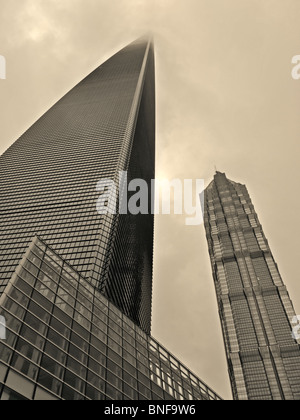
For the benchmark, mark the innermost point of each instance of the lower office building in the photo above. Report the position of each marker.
(66, 341)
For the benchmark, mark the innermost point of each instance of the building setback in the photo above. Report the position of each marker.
(255, 310)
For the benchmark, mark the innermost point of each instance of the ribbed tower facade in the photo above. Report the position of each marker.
(48, 180)
(76, 285)
(255, 310)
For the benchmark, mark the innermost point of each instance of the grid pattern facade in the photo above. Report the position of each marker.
(66, 341)
(255, 308)
(48, 179)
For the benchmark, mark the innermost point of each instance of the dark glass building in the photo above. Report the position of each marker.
(76, 299)
(66, 341)
(48, 180)
(255, 310)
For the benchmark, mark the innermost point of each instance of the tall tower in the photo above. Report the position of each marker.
(76, 286)
(255, 310)
(48, 180)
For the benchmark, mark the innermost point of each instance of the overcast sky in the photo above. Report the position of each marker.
(225, 97)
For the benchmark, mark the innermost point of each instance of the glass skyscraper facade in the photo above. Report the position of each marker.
(255, 310)
(66, 341)
(76, 286)
(48, 180)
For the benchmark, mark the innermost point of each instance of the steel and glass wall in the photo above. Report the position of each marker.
(255, 309)
(48, 179)
(66, 341)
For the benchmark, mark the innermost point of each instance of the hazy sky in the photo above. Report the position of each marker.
(225, 97)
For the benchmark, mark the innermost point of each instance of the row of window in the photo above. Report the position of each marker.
(119, 315)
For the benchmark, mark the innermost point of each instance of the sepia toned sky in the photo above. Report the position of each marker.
(225, 98)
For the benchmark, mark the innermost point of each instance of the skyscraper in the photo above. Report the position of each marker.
(48, 180)
(76, 286)
(255, 310)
